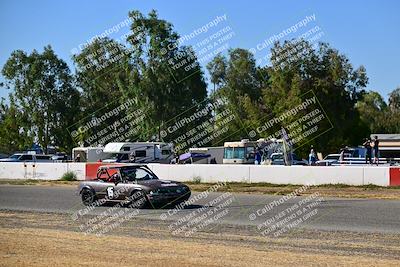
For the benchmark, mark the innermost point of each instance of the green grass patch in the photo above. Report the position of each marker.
(68, 176)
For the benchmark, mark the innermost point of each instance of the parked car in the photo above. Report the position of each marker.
(60, 156)
(277, 159)
(134, 185)
(328, 160)
(25, 157)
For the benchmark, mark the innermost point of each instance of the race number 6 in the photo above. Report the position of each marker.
(110, 192)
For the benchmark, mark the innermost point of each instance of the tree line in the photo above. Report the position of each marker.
(166, 80)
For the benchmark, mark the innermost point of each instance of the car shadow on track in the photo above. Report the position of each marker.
(159, 206)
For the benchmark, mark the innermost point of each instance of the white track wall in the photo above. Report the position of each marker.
(301, 175)
(41, 171)
(316, 175)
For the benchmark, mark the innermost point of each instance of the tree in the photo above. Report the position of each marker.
(44, 94)
(217, 69)
(372, 109)
(261, 94)
(101, 72)
(13, 130)
(392, 116)
(239, 81)
(165, 76)
(394, 100)
(332, 79)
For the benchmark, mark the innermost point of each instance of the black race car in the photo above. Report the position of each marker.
(134, 185)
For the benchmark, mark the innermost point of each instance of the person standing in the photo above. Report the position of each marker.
(132, 157)
(368, 154)
(312, 158)
(341, 155)
(257, 157)
(78, 158)
(376, 150)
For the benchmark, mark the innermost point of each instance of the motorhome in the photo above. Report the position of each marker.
(89, 154)
(239, 152)
(140, 152)
(244, 151)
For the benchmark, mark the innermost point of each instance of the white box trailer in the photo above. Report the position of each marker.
(89, 154)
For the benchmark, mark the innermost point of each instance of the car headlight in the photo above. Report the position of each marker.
(151, 192)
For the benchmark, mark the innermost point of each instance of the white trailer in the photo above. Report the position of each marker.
(89, 154)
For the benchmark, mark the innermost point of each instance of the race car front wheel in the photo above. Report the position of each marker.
(88, 197)
(137, 199)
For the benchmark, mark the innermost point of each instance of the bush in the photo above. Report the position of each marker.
(69, 176)
(197, 179)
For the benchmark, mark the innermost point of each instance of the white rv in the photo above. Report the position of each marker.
(239, 152)
(140, 152)
(244, 151)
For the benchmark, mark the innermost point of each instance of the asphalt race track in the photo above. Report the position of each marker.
(360, 215)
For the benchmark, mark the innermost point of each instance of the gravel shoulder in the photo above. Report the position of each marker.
(44, 239)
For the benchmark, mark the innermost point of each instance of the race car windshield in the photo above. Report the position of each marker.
(137, 174)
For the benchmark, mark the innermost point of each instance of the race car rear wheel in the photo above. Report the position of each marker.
(88, 197)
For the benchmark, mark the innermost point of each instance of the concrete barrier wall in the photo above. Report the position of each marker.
(206, 172)
(377, 175)
(41, 171)
(351, 175)
(307, 175)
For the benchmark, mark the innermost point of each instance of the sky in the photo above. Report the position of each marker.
(366, 31)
